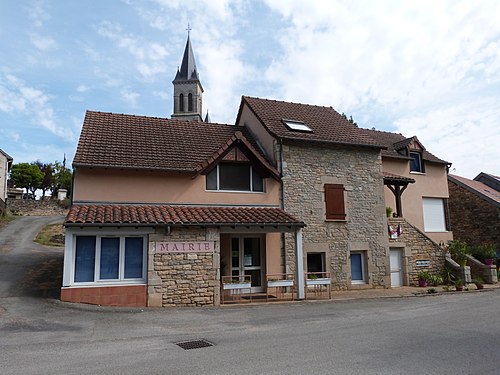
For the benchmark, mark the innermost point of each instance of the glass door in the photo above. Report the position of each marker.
(246, 259)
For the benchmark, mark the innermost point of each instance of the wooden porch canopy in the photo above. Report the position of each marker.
(397, 184)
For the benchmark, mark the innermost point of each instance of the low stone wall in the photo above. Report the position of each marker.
(418, 250)
(29, 207)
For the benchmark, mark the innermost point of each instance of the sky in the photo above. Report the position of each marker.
(424, 68)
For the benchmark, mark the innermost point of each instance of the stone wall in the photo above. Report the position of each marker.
(306, 169)
(184, 279)
(473, 219)
(416, 247)
(29, 207)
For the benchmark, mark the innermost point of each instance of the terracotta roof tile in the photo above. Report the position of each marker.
(327, 124)
(395, 177)
(178, 215)
(477, 188)
(396, 141)
(128, 141)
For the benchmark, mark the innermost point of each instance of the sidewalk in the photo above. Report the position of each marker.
(404, 291)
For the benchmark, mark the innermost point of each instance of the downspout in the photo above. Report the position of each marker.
(72, 185)
(282, 199)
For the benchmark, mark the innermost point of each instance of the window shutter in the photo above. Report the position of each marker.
(434, 220)
(334, 201)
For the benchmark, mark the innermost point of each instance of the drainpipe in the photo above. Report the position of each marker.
(282, 198)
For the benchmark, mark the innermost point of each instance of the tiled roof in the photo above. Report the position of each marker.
(327, 124)
(395, 141)
(128, 141)
(395, 177)
(478, 188)
(178, 215)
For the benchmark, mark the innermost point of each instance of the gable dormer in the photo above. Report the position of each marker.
(237, 166)
(414, 149)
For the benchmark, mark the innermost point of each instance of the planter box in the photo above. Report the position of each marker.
(320, 281)
(236, 286)
(279, 283)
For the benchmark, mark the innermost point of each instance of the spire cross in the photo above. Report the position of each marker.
(188, 29)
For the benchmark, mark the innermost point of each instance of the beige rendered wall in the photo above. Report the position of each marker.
(249, 120)
(100, 185)
(431, 184)
(3, 176)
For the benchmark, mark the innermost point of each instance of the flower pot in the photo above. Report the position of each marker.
(422, 283)
(459, 288)
(462, 262)
(479, 286)
(488, 262)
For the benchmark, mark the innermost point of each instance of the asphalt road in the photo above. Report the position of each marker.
(455, 333)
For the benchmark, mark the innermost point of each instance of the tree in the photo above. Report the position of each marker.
(62, 177)
(48, 176)
(26, 176)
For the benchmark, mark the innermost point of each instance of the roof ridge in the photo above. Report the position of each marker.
(289, 102)
(163, 118)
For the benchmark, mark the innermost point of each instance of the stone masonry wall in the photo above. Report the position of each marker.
(29, 207)
(184, 279)
(305, 171)
(473, 220)
(417, 246)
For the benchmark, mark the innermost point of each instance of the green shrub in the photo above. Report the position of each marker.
(483, 252)
(459, 251)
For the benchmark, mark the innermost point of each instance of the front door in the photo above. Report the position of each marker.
(246, 259)
(396, 268)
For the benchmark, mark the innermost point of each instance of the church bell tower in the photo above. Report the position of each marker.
(187, 88)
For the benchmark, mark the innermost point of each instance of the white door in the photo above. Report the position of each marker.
(396, 267)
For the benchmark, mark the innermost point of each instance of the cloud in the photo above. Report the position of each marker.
(129, 96)
(397, 65)
(461, 134)
(16, 98)
(150, 56)
(43, 43)
(37, 13)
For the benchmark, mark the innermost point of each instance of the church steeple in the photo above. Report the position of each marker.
(187, 88)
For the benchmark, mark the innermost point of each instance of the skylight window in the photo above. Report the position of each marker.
(298, 126)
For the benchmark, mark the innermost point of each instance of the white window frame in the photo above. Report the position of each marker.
(218, 189)
(363, 281)
(70, 257)
(421, 162)
(298, 126)
(434, 215)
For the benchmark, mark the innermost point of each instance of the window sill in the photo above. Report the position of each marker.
(235, 191)
(97, 284)
(336, 220)
(420, 173)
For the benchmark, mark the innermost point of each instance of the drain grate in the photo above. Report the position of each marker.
(194, 344)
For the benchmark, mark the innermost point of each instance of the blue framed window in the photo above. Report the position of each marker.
(105, 258)
(85, 259)
(358, 268)
(110, 258)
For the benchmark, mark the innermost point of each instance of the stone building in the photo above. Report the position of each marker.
(181, 212)
(332, 180)
(5, 164)
(475, 208)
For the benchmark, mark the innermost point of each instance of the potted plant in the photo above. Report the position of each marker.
(448, 275)
(459, 285)
(486, 253)
(459, 251)
(479, 282)
(423, 278)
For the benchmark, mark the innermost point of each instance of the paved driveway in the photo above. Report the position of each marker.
(27, 268)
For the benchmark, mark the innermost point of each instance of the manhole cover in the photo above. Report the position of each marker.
(194, 344)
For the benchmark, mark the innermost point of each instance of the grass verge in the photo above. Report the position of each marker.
(51, 235)
(6, 218)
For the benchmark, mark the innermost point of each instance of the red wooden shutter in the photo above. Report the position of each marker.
(334, 200)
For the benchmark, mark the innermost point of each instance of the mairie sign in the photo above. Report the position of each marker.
(184, 247)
